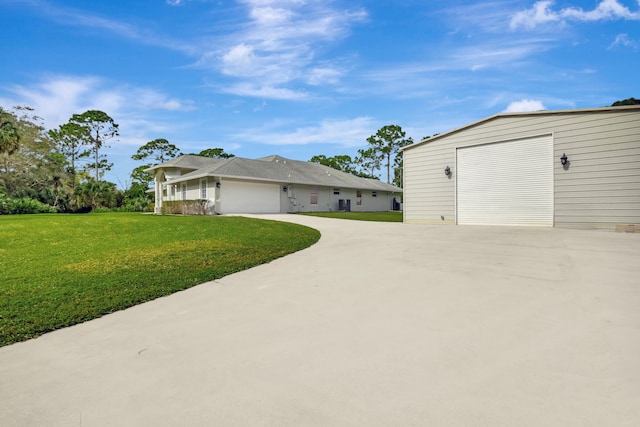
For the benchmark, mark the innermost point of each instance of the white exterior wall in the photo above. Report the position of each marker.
(300, 199)
(243, 196)
(599, 189)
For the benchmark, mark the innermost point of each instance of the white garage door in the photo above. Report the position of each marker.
(249, 197)
(507, 183)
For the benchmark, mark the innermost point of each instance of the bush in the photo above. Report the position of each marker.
(185, 207)
(24, 205)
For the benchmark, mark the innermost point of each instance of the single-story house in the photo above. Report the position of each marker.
(572, 168)
(271, 184)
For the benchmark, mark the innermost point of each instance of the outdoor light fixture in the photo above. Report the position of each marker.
(564, 159)
(447, 171)
(284, 188)
(218, 184)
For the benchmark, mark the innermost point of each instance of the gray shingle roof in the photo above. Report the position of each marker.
(276, 169)
(189, 161)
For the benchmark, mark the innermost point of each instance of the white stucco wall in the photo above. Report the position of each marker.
(329, 202)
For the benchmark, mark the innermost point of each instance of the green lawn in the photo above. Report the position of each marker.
(60, 270)
(394, 216)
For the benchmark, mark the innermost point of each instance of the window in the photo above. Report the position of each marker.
(358, 197)
(314, 195)
(184, 191)
(173, 192)
(336, 191)
(374, 194)
(203, 188)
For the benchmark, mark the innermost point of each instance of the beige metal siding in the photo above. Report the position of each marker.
(598, 190)
(429, 195)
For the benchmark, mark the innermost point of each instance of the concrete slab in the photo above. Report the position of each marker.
(378, 324)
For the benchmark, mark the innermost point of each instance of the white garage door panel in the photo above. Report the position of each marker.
(249, 197)
(507, 183)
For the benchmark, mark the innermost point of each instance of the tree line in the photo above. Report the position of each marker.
(62, 169)
(383, 153)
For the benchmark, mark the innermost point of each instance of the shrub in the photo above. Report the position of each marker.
(185, 207)
(24, 205)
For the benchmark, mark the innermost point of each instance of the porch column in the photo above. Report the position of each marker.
(158, 189)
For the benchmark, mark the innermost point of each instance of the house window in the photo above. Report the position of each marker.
(374, 194)
(173, 192)
(336, 191)
(184, 191)
(358, 197)
(314, 195)
(203, 188)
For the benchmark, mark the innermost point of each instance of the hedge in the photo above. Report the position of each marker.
(185, 207)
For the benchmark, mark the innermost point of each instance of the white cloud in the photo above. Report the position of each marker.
(542, 13)
(263, 91)
(278, 45)
(58, 97)
(342, 132)
(606, 10)
(323, 74)
(81, 18)
(524, 106)
(625, 41)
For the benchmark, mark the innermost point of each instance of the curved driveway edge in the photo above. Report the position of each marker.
(377, 324)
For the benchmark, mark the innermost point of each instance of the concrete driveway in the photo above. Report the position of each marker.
(376, 325)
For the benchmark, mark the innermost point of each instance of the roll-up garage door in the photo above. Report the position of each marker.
(506, 183)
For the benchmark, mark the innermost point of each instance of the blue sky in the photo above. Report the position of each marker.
(304, 77)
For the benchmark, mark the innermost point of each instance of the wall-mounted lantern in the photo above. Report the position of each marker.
(447, 171)
(218, 184)
(564, 159)
(284, 188)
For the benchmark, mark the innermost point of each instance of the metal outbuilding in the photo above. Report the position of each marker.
(567, 168)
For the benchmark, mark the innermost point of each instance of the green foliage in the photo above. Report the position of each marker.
(368, 160)
(60, 270)
(159, 150)
(24, 205)
(342, 163)
(185, 207)
(35, 169)
(386, 144)
(391, 216)
(9, 133)
(94, 127)
(69, 142)
(136, 198)
(138, 175)
(215, 153)
(628, 101)
(98, 194)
